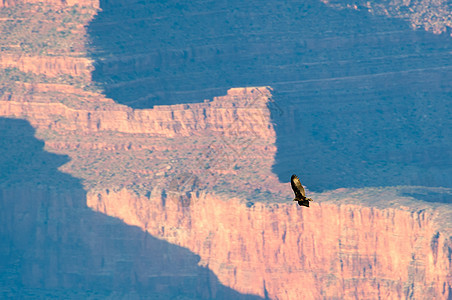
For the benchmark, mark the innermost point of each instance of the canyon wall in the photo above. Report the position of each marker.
(360, 95)
(356, 101)
(198, 51)
(50, 66)
(330, 250)
(427, 14)
(52, 245)
(176, 120)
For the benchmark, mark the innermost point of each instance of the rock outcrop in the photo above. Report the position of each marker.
(52, 245)
(168, 121)
(351, 250)
(50, 66)
(431, 15)
(330, 250)
(93, 3)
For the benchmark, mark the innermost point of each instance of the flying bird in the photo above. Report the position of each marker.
(298, 189)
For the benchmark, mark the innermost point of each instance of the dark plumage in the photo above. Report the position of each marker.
(298, 189)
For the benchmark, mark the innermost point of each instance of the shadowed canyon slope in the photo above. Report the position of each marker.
(53, 244)
(363, 100)
(350, 99)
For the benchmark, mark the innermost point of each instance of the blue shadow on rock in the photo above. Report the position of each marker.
(429, 195)
(365, 100)
(53, 246)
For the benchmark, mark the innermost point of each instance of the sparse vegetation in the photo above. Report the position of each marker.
(40, 30)
(11, 75)
(47, 32)
(432, 15)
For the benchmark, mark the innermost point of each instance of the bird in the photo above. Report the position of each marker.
(298, 189)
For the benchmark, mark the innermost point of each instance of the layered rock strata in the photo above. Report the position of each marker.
(351, 243)
(334, 249)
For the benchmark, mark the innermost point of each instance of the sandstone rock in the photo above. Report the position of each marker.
(351, 243)
(50, 66)
(337, 251)
(93, 3)
(176, 120)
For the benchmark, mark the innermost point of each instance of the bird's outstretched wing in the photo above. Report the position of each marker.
(297, 187)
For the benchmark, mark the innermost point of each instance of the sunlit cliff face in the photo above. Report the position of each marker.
(339, 249)
(113, 101)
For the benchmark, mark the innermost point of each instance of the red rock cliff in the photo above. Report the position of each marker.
(50, 66)
(174, 120)
(338, 248)
(330, 250)
(94, 3)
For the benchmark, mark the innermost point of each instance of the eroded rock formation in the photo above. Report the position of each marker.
(330, 250)
(53, 245)
(167, 121)
(93, 3)
(351, 243)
